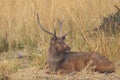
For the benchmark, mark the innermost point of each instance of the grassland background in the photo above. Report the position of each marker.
(19, 30)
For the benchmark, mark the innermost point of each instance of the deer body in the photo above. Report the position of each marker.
(68, 62)
(76, 61)
(61, 60)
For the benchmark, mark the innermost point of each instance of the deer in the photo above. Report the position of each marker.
(63, 61)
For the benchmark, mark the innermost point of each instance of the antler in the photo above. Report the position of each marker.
(42, 27)
(117, 7)
(60, 26)
(66, 34)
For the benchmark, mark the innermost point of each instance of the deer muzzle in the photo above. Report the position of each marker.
(67, 48)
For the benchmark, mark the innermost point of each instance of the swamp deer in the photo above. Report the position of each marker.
(62, 61)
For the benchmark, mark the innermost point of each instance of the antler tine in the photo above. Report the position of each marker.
(117, 7)
(60, 26)
(66, 33)
(42, 26)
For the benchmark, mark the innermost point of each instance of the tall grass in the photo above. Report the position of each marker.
(19, 29)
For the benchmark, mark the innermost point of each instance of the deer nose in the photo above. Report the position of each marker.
(66, 47)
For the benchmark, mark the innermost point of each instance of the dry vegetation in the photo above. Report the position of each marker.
(20, 34)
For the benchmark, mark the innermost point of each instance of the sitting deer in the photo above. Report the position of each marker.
(62, 61)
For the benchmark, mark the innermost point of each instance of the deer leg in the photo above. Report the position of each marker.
(106, 68)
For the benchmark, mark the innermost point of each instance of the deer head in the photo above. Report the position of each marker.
(57, 44)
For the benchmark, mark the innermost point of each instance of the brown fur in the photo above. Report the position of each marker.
(62, 61)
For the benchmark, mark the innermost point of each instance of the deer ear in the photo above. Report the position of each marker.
(64, 36)
(54, 38)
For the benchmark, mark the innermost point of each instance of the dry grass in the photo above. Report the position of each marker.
(36, 74)
(20, 32)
